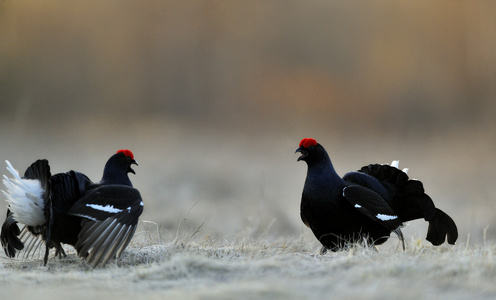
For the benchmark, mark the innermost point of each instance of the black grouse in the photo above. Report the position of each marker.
(98, 219)
(366, 205)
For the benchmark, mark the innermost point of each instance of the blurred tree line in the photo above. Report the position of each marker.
(394, 66)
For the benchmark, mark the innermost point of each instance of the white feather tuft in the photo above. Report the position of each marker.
(25, 198)
(384, 217)
(405, 170)
(395, 164)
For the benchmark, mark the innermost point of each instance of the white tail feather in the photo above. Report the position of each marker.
(395, 164)
(25, 198)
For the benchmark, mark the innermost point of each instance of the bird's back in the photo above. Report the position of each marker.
(395, 187)
(66, 189)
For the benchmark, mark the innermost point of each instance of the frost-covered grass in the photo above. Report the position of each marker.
(274, 255)
(199, 266)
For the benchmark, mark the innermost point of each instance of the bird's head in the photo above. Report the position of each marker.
(124, 158)
(311, 151)
(117, 168)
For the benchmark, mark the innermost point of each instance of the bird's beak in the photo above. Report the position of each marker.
(303, 152)
(133, 162)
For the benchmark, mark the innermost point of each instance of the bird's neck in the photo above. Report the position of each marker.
(111, 176)
(323, 173)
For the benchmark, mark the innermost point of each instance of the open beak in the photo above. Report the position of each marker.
(133, 162)
(303, 152)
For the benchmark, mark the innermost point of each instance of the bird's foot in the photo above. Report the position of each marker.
(60, 251)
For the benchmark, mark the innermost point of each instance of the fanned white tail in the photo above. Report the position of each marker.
(25, 198)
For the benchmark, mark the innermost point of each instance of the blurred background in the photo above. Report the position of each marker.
(213, 98)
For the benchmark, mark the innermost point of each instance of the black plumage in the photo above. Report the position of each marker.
(366, 205)
(98, 219)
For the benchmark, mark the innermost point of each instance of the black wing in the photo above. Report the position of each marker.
(111, 216)
(367, 181)
(375, 207)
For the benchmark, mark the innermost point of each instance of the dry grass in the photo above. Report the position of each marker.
(193, 251)
(216, 238)
(203, 266)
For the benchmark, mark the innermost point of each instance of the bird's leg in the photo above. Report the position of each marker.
(400, 236)
(45, 259)
(48, 232)
(60, 251)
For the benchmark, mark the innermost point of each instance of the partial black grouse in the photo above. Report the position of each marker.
(366, 205)
(98, 219)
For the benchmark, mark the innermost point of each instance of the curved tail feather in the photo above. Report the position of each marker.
(39, 170)
(440, 227)
(386, 173)
(9, 236)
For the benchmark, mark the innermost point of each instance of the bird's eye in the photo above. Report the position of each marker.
(311, 148)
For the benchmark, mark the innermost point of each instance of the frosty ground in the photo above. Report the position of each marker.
(252, 244)
(210, 267)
